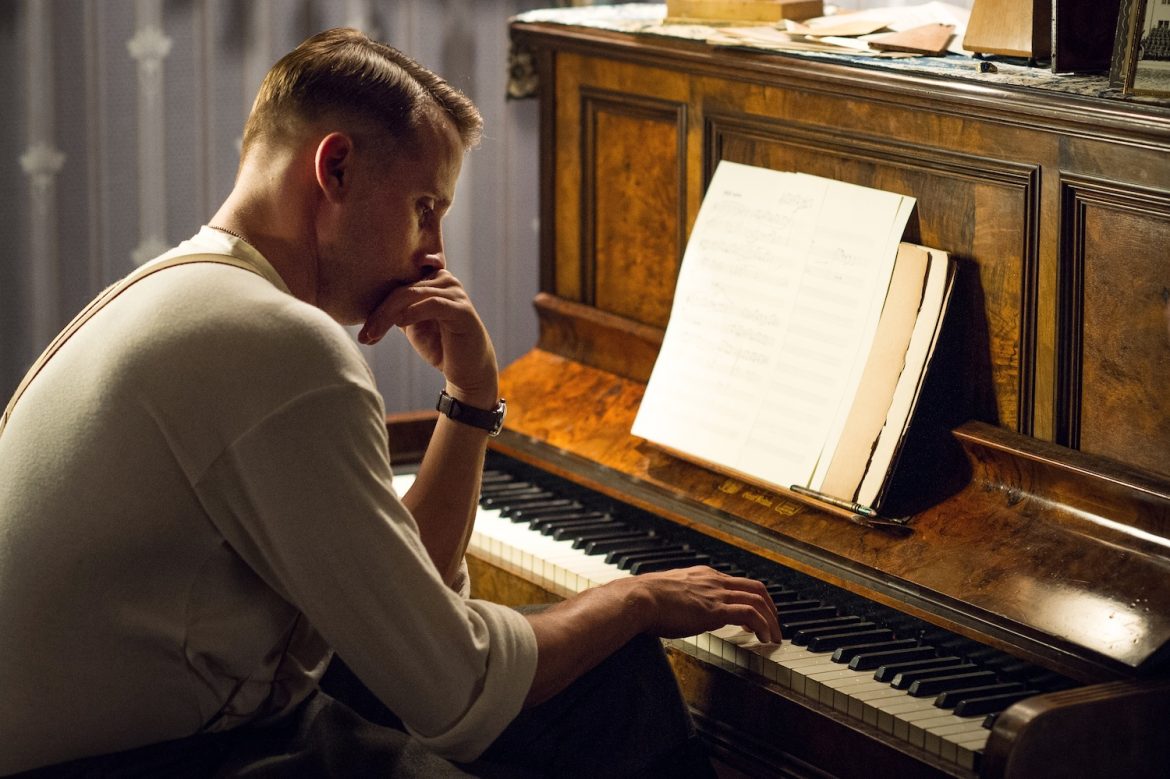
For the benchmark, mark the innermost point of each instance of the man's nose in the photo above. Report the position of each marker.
(433, 263)
(433, 256)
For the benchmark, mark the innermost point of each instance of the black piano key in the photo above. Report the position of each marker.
(1047, 681)
(887, 672)
(991, 705)
(522, 511)
(781, 594)
(537, 519)
(584, 523)
(669, 563)
(800, 637)
(598, 544)
(871, 660)
(982, 655)
(939, 684)
(619, 531)
(573, 532)
(608, 545)
(500, 480)
(515, 489)
(833, 626)
(548, 526)
(512, 502)
(832, 641)
(804, 603)
(960, 644)
(557, 510)
(624, 560)
(904, 679)
(905, 626)
(788, 618)
(846, 654)
(1017, 669)
(653, 544)
(502, 502)
(492, 482)
(952, 698)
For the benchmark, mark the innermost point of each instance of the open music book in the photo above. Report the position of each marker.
(799, 335)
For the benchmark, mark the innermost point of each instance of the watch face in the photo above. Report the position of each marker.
(501, 412)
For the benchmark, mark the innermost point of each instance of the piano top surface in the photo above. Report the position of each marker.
(1033, 553)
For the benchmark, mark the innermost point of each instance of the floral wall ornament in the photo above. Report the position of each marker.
(150, 47)
(41, 162)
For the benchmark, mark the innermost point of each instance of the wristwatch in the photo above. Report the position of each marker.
(489, 420)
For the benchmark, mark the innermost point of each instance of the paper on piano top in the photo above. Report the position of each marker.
(775, 309)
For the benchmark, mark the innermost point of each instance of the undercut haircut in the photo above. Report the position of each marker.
(344, 75)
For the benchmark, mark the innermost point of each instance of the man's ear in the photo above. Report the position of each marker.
(334, 155)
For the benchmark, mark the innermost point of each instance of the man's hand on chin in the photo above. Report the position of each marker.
(443, 326)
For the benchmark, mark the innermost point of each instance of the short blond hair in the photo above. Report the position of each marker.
(343, 74)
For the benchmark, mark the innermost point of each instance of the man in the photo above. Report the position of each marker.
(197, 507)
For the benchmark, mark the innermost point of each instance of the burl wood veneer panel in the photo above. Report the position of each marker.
(619, 222)
(634, 213)
(1115, 317)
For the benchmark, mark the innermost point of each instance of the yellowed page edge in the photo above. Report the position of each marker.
(940, 281)
(879, 379)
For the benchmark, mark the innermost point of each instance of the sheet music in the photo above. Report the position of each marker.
(775, 308)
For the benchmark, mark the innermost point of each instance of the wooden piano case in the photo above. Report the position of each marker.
(1040, 525)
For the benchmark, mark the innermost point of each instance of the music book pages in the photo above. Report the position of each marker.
(920, 290)
(795, 349)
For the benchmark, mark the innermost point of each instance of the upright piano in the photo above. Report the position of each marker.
(1034, 563)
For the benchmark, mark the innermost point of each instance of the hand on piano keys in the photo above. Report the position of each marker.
(920, 685)
(689, 601)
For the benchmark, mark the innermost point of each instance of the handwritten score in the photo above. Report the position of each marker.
(775, 309)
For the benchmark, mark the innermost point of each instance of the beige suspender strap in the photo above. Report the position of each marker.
(100, 301)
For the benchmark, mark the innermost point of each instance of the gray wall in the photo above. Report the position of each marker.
(122, 121)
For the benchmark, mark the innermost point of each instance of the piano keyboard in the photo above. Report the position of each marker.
(908, 679)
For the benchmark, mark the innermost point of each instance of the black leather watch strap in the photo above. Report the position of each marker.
(489, 420)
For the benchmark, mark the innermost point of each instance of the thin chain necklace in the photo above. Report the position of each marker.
(230, 232)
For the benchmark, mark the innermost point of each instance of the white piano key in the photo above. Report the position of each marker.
(966, 747)
(939, 738)
(845, 691)
(823, 685)
(891, 710)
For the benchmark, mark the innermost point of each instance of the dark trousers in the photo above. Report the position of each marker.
(623, 718)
